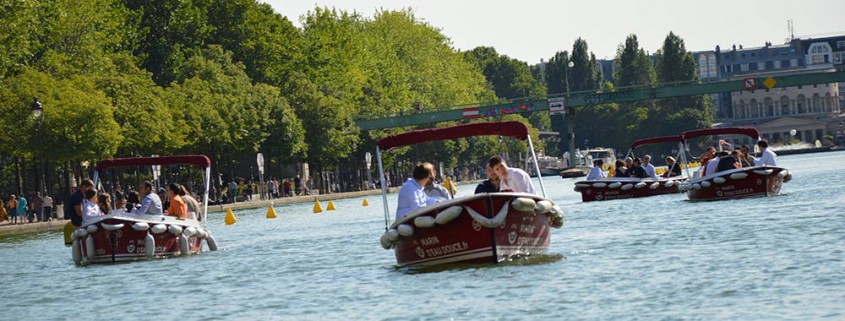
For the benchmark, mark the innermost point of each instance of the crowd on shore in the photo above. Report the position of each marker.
(20, 210)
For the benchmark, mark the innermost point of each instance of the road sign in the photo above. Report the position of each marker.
(557, 106)
(471, 113)
(770, 82)
(260, 160)
(749, 83)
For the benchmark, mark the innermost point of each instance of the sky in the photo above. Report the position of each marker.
(530, 30)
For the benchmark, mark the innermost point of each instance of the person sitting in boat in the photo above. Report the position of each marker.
(705, 158)
(412, 195)
(648, 167)
(436, 191)
(767, 156)
(104, 201)
(177, 208)
(150, 203)
(511, 179)
(191, 202)
(746, 159)
(728, 162)
(621, 169)
(490, 185)
(595, 172)
(712, 166)
(674, 169)
(637, 170)
(90, 206)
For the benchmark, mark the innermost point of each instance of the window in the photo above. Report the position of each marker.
(744, 67)
(777, 64)
(840, 44)
(770, 65)
(752, 66)
(794, 62)
(838, 57)
(785, 63)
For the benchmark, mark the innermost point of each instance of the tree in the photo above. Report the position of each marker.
(633, 66)
(676, 64)
(509, 78)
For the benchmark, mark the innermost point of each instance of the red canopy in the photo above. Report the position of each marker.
(508, 128)
(747, 131)
(656, 140)
(200, 161)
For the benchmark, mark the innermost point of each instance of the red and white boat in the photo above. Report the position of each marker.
(743, 182)
(122, 236)
(612, 188)
(489, 227)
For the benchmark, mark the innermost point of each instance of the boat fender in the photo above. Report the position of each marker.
(76, 252)
(524, 204)
(787, 177)
(614, 185)
(183, 245)
(640, 185)
(489, 222)
(73, 235)
(158, 228)
(386, 243)
(150, 245)
(655, 185)
(90, 250)
(140, 226)
(405, 229)
(424, 221)
(112, 227)
(557, 217)
(718, 180)
(81, 232)
(543, 207)
(582, 185)
(212, 244)
(174, 229)
(705, 184)
(668, 183)
(200, 233)
(599, 185)
(91, 229)
(627, 187)
(696, 186)
(739, 175)
(764, 172)
(392, 235)
(449, 214)
(190, 231)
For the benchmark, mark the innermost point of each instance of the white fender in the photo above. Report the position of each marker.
(90, 251)
(696, 186)
(614, 185)
(190, 231)
(557, 217)
(739, 175)
(386, 243)
(655, 185)
(150, 245)
(112, 227)
(668, 183)
(140, 226)
(449, 214)
(543, 207)
(201, 233)
(582, 185)
(212, 244)
(719, 180)
(76, 251)
(81, 232)
(174, 229)
(627, 187)
(73, 235)
(158, 228)
(393, 235)
(489, 222)
(183, 245)
(524, 204)
(599, 185)
(639, 185)
(705, 184)
(91, 229)
(424, 221)
(764, 172)
(405, 229)
(787, 177)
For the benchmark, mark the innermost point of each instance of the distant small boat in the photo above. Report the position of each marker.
(574, 172)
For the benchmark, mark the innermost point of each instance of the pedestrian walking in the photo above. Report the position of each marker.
(37, 207)
(47, 202)
(12, 205)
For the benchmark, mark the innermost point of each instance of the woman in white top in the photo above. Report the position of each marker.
(90, 207)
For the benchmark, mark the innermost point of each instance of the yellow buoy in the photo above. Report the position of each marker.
(330, 207)
(230, 217)
(271, 212)
(365, 203)
(317, 207)
(69, 228)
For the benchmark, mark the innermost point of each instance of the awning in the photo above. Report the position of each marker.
(508, 128)
(656, 140)
(200, 161)
(747, 131)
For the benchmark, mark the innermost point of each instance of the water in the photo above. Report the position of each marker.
(778, 258)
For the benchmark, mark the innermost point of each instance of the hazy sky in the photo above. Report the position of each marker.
(530, 30)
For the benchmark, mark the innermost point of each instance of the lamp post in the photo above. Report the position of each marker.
(37, 109)
(792, 133)
(570, 118)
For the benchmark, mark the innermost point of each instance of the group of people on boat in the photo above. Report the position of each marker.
(87, 203)
(635, 167)
(725, 160)
(422, 190)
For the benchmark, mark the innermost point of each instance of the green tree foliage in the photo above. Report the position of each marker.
(676, 64)
(18, 29)
(509, 78)
(633, 66)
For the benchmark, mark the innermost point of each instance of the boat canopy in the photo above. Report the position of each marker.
(509, 128)
(200, 161)
(657, 140)
(747, 131)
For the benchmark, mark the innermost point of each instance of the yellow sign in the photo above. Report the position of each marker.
(770, 82)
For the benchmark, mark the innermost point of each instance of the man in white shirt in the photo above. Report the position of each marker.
(412, 194)
(648, 167)
(767, 157)
(511, 179)
(595, 172)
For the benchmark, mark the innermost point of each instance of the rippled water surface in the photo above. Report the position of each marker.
(653, 258)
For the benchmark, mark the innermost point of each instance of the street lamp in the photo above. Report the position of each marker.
(570, 119)
(792, 133)
(36, 108)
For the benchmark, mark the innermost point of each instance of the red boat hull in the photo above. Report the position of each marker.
(740, 183)
(614, 189)
(465, 240)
